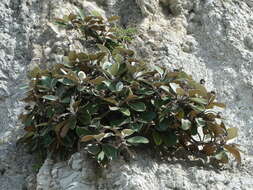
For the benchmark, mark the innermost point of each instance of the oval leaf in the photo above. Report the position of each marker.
(185, 124)
(232, 133)
(138, 140)
(199, 100)
(110, 152)
(125, 111)
(127, 132)
(82, 75)
(169, 139)
(50, 97)
(119, 86)
(80, 131)
(147, 116)
(157, 138)
(114, 68)
(139, 106)
(93, 149)
(174, 87)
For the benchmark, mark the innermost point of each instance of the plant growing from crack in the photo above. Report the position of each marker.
(110, 102)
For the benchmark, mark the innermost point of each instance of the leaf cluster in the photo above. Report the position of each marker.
(109, 102)
(102, 31)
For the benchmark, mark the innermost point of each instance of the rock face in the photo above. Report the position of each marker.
(212, 40)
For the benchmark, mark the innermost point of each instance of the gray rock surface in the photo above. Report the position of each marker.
(211, 40)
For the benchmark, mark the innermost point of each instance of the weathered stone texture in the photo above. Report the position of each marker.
(211, 40)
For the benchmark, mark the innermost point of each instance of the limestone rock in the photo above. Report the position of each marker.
(209, 39)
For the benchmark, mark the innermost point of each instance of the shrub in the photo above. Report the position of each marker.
(110, 102)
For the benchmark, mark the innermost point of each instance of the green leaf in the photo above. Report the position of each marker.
(164, 125)
(110, 152)
(138, 140)
(47, 140)
(93, 149)
(174, 87)
(103, 48)
(200, 122)
(159, 70)
(50, 112)
(119, 86)
(53, 83)
(84, 117)
(81, 13)
(125, 111)
(83, 57)
(197, 86)
(157, 138)
(120, 122)
(60, 22)
(72, 122)
(72, 56)
(111, 100)
(147, 116)
(221, 105)
(45, 81)
(123, 52)
(232, 133)
(23, 86)
(199, 100)
(113, 108)
(114, 68)
(91, 108)
(139, 106)
(165, 88)
(50, 97)
(82, 75)
(100, 157)
(66, 81)
(95, 13)
(102, 136)
(80, 131)
(95, 123)
(29, 120)
(194, 130)
(34, 72)
(144, 91)
(107, 83)
(137, 126)
(169, 139)
(97, 81)
(118, 59)
(127, 132)
(185, 124)
(198, 108)
(65, 100)
(180, 92)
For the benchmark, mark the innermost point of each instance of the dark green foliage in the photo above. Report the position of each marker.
(110, 101)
